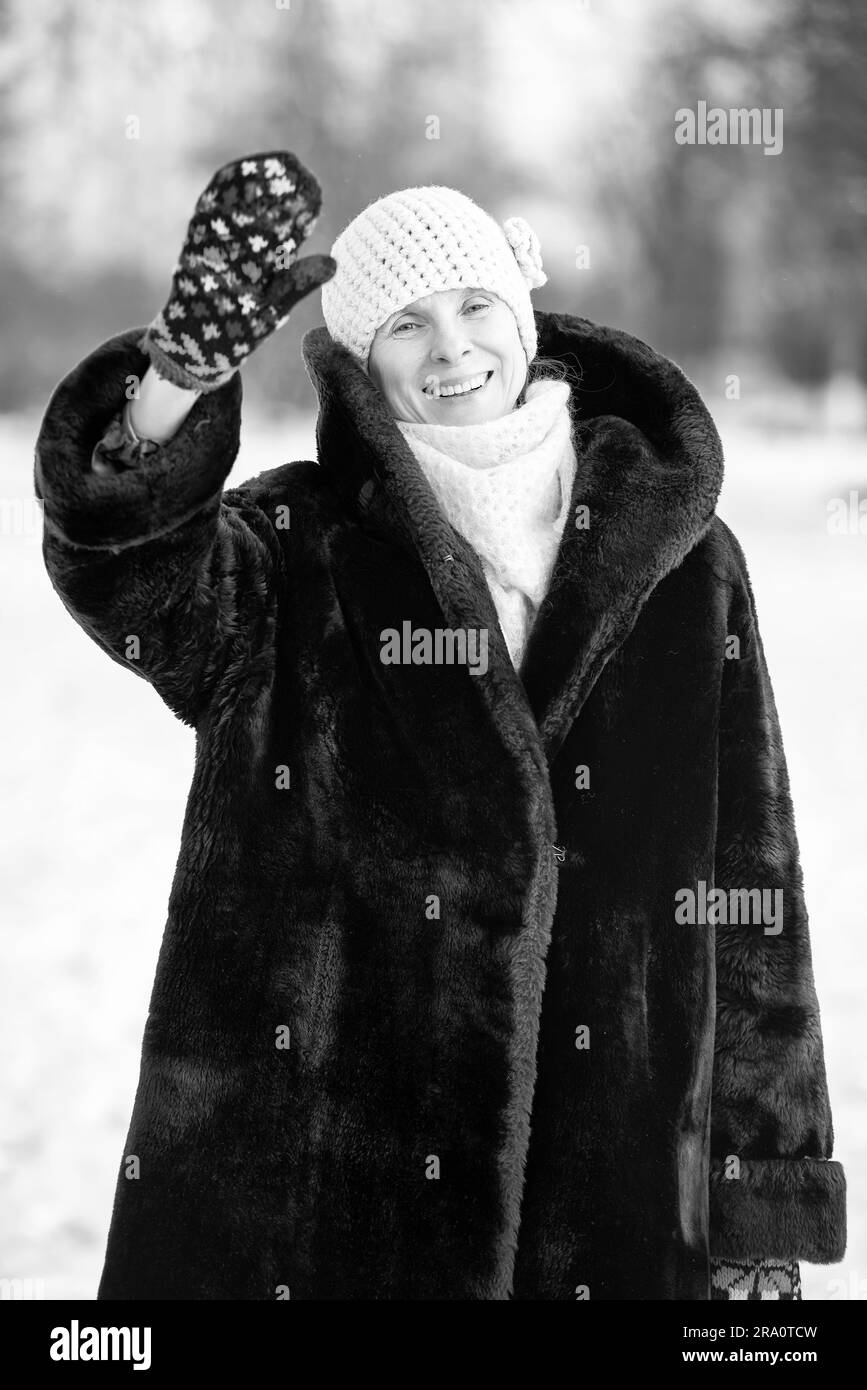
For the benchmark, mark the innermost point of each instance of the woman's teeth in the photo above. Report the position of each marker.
(433, 388)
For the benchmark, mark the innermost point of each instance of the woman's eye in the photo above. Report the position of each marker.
(411, 323)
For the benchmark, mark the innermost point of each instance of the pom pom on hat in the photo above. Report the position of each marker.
(416, 242)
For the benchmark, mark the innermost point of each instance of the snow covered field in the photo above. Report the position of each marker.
(95, 772)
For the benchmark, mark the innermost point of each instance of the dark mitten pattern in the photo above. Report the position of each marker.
(238, 277)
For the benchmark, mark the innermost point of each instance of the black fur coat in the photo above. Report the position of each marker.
(427, 1020)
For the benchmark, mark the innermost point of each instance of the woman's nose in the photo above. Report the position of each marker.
(450, 343)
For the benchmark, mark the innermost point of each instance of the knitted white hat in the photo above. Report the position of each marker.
(416, 242)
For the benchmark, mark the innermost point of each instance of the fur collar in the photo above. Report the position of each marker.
(650, 468)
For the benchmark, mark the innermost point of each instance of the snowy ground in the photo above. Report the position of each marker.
(94, 777)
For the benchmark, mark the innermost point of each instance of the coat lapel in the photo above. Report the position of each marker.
(650, 468)
(381, 483)
(649, 472)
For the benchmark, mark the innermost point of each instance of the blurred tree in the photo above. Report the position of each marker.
(113, 116)
(767, 250)
(821, 224)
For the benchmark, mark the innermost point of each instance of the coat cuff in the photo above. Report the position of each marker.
(779, 1208)
(104, 511)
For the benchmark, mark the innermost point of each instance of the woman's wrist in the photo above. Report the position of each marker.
(160, 408)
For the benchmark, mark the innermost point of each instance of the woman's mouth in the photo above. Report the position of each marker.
(470, 386)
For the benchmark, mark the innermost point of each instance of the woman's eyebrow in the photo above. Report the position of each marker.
(415, 307)
(398, 314)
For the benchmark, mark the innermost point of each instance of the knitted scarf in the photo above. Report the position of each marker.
(506, 485)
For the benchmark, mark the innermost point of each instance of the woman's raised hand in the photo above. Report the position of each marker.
(238, 276)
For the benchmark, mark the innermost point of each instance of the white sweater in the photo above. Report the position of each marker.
(506, 486)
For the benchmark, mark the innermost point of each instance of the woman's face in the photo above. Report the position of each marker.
(466, 338)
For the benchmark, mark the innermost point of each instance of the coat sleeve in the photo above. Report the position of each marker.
(775, 1193)
(168, 574)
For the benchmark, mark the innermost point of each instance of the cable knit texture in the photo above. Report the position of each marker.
(506, 485)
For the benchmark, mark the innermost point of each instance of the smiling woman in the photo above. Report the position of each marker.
(432, 298)
(451, 357)
(441, 1031)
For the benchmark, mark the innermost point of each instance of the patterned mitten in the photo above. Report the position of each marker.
(238, 277)
(755, 1279)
